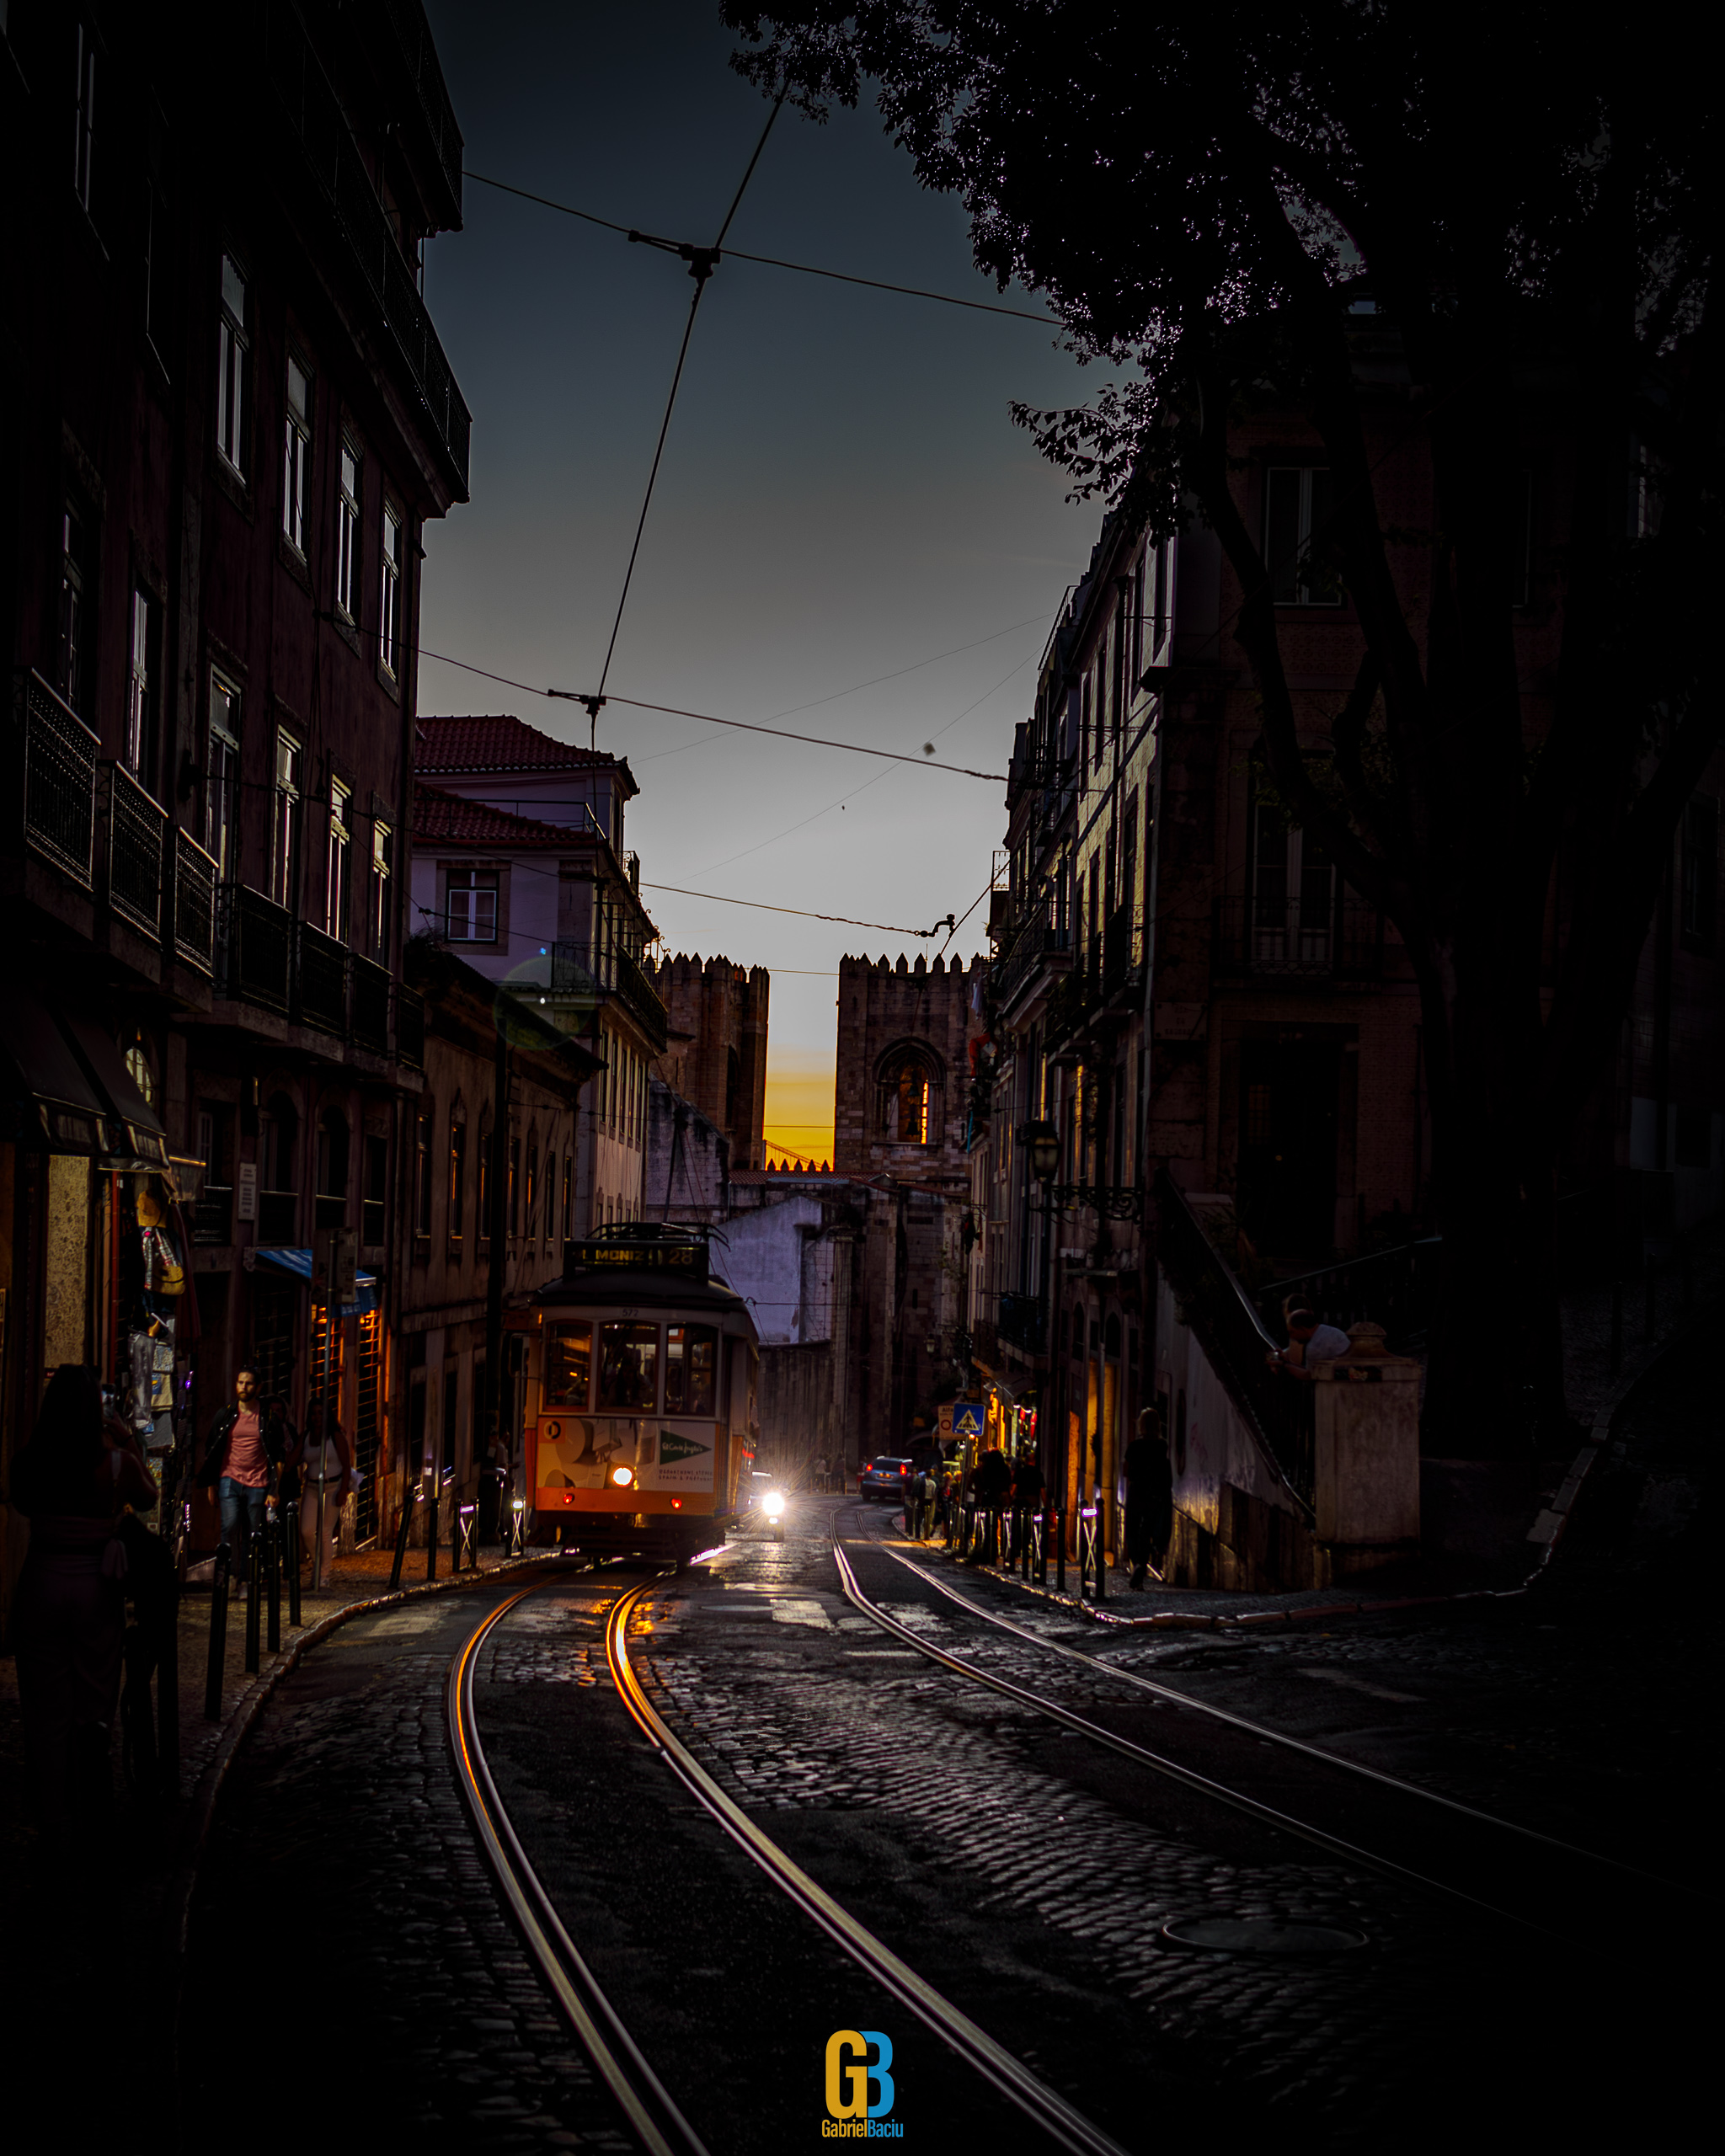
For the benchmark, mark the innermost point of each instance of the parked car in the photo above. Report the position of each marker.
(883, 1477)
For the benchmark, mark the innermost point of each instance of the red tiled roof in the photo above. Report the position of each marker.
(443, 819)
(498, 744)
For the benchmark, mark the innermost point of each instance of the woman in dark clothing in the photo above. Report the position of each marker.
(79, 1473)
(1149, 1498)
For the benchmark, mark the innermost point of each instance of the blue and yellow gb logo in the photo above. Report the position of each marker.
(851, 2076)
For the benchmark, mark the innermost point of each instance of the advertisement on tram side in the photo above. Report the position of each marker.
(582, 1451)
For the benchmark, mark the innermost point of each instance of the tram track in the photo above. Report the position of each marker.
(651, 2112)
(1592, 1880)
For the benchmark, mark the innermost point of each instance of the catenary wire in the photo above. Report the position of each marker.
(766, 261)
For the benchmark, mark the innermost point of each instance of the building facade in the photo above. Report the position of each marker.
(231, 420)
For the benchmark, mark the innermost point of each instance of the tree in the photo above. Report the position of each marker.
(1201, 190)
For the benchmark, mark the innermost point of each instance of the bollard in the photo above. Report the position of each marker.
(1060, 1551)
(1102, 1553)
(431, 1536)
(272, 1564)
(218, 1635)
(254, 1597)
(1616, 1326)
(1030, 1528)
(518, 1527)
(409, 1499)
(467, 1537)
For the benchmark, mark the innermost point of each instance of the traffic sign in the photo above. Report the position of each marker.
(968, 1418)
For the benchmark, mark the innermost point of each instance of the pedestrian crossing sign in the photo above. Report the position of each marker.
(968, 1418)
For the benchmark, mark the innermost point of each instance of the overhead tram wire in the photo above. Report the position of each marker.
(702, 261)
(765, 261)
(711, 719)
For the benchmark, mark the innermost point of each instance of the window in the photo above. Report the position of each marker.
(422, 1174)
(457, 1179)
(379, 918)
(297, 455)
(472, 906)
(484, 1191)
(908, 1095)
(550, 1194)
(347, 535)
(1128, 858)
(374, 1225)
(513, 1194)
(136, 1059)
(532, 1188)
(232, 343)
(389, 619)
(1296, 514)
(568, 1366)
(332, 1170)
(568, 1196)
(221, 779)
(691, 1369)
(76, 604)
(337, 882)
(1293, 893)
(1701, 870)
(83, 143)
(628, 1368)
(278, 1176)
(285, 822)
(143, 684)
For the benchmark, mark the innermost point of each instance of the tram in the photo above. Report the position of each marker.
(642, 1380)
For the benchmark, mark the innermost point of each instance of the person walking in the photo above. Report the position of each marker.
(1149, 1498)
(241, 1455)
(326, 1473)
(1027, 1487)
(991, 1485)
(75, 1479)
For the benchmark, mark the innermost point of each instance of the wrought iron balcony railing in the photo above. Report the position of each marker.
(194, 903)
(371, 1005)
(1107, 1201)
(578, 975)
(255, 947)
(1023, 1322)
(59, 781)
(1037, 947)
(1334, 938)
(322, 980)
(137, 831)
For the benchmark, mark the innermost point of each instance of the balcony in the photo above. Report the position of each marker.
(323, 981)
(337, 170)
(1339, 939)
(1037, 947)
(255, 950)
(371, 1006)
(137, 831)
(1118, 970)
(59, 781)
(194, 903)
(575, 974)
(1023, 1323)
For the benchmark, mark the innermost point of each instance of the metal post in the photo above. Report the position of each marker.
(272, 1565)
(254, 1596)
(431, 1531)
(325, 1418)
(1060, 1550)
(409, 1499)
(218, 1635)
(1102, 1547)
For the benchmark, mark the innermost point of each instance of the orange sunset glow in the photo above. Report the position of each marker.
(799, 1103)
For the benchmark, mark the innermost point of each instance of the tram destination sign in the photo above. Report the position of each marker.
(689, 1259)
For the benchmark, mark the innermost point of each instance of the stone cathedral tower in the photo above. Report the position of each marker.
(904, 1068)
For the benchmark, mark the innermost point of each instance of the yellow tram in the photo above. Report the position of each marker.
(640, 1418)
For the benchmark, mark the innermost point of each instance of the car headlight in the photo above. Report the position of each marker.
(773, 1504)
(622, 1477)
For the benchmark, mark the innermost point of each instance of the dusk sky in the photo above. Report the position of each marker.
(843, 496)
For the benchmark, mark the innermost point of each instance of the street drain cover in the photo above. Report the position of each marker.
(1259, 1935)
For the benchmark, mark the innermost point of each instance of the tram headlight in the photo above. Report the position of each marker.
(622, 1477)
(773, 1504)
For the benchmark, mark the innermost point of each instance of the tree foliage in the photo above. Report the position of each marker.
(1203, 191)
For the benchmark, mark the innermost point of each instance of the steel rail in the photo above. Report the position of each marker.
(653, 2116)
(1348, 1852)
(1262, 1730)
(1067, 2127)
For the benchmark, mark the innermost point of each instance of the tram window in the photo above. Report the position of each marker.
(691, 1369)
(569, 1361)
(628, 1369)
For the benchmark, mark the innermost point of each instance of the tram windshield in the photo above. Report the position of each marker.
(628, 1369)
(691, 1369)
(569, 1360)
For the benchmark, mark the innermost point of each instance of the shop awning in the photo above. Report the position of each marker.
(136, 1138)
(280, 1258)
(56, 1100)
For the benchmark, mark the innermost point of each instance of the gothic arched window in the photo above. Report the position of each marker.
(910, 1096)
